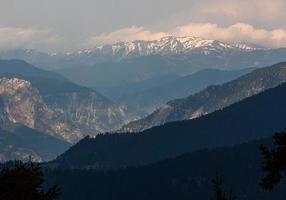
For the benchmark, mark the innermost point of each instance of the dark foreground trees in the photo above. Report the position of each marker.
(24, 182)
(274, 163)
(220, 194)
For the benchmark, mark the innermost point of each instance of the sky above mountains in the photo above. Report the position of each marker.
(68, 25)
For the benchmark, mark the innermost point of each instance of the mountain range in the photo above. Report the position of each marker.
(164, 46)
(213, 98)
(132, 62)
(207, 107)
(136, 69)
(255, 117)
(60, 104)
(44, 102)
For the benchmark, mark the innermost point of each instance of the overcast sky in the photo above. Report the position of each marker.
(68, 25)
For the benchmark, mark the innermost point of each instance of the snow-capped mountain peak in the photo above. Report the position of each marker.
(169, 45)
(166, 45)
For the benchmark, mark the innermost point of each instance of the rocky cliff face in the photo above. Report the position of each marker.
(21, 102)
(68, 116)
(88, 111)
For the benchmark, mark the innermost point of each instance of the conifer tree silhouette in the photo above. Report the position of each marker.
(274, 163)
(25, 182)
(218, 189)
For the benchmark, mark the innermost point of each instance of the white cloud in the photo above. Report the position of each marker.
(238, 32)
(75, 21)
(126, 35)
(258, 9)
(14, 37)
(264, 12)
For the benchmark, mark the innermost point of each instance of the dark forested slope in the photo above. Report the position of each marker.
(185, 177)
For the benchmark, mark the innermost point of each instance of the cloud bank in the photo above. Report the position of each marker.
(72, 25)
(238, 32)
(259, 13)
(14, 37)
(126, 35)
(225, 20)
(254, 10)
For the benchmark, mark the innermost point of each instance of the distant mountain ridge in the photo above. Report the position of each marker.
(168, 45)
(149, 100)
(213, 98)
(110, 66)
(139, 68)
(164, 46)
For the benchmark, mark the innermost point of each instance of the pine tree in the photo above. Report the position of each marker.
(218, 189)
(25, 182)
(274, 163)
